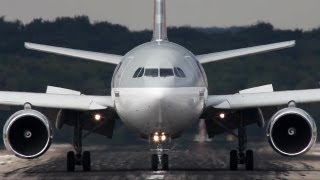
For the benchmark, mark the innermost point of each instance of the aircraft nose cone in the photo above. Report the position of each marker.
(159, 94)
(167, 82)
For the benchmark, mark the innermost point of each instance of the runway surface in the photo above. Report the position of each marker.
(196, 161)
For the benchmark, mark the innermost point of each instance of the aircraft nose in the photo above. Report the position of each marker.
(158, 94)
(168, 82)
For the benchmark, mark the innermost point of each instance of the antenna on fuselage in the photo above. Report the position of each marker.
(159, 21)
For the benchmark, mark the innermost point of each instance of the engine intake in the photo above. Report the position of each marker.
(291, 132)
(27, 133)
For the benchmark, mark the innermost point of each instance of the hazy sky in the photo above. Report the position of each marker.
(137, 14)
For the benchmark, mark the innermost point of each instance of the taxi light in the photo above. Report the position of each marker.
(222, 115)
(97, 117)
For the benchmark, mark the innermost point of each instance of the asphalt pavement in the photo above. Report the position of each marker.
(194, 161)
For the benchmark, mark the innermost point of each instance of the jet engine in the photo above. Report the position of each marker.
(291, 132)
(27, 133)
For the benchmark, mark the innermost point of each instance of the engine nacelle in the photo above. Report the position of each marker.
(27, 133)
(291, 132)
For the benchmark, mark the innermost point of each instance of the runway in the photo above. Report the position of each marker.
(196, 161)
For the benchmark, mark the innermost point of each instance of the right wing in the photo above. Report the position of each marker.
(206, 58)
(95, 56)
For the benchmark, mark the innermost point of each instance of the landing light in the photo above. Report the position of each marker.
(163, 137)
(97, 117)
(159, 137)
(156, 138)
(222, 115)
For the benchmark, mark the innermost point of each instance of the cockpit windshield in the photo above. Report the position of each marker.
(166, 72)
(162, 72)
(151, 72)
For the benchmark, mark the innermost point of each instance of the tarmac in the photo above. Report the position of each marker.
(195, 161)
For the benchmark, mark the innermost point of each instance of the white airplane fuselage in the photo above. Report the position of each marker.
(151, 95)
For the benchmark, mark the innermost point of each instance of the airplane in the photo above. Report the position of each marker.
(159, 89)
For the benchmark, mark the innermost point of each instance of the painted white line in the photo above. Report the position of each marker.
(151, 177)
(5, 162)
(7, 156)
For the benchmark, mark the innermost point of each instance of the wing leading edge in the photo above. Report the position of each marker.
(250, 100)
(59, 101)
(94, 56)
(206, 58)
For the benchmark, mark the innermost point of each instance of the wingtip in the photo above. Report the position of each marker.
(293, 42)
(26, 45)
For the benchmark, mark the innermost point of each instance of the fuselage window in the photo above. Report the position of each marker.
(179, 73)
(151, 72)
(137, 72)
(166, 72)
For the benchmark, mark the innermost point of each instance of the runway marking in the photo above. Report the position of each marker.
(7, 156)
(5, 162)
(151, 177)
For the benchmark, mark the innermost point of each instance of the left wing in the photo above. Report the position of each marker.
(59, 101)
(206, 58)
(263, 99)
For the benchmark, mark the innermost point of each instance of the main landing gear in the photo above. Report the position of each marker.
(241, 156)
(77, 157)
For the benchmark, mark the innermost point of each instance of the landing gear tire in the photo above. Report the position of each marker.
(249, 160)
(154, 162)
(233, 160)
(71, 161)
(165, 162)
(86, 161)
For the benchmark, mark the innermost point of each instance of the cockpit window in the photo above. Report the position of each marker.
(166, 72)
(141, 72)
(151, 72)
(137, 72)
(179, 73)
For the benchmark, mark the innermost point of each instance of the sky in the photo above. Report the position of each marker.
(138, 14)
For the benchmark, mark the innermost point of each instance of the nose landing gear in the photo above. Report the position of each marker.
(159, 160)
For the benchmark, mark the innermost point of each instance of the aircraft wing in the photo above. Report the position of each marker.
(94, 56)
(263, 99)
(206, 58)
(59, 101)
